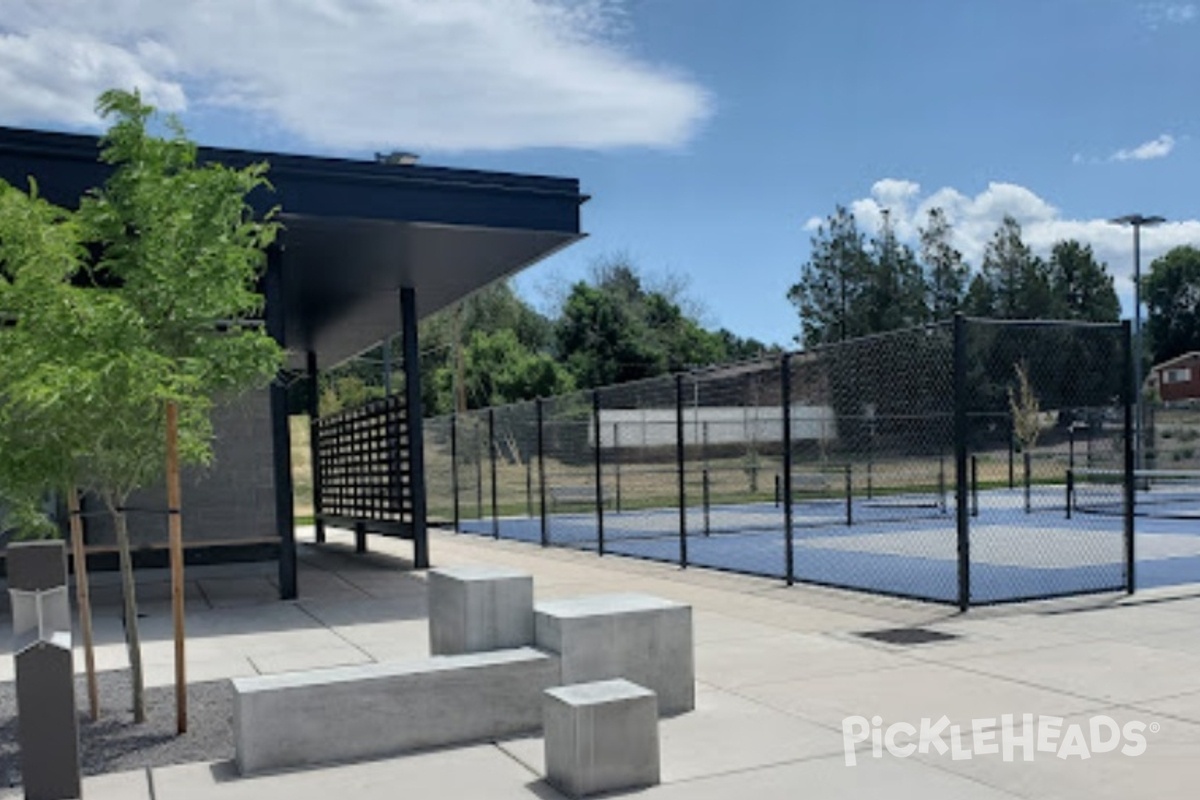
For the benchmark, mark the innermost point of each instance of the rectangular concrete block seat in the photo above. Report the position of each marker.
(326, 716)
(642, 638)
(473, 609)
(601, 737)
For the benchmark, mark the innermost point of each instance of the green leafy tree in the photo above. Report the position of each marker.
(829, 293)
(185, 251)
(1081, 286)
(159, 309)
(1171, 290)
(500, 370)
(945, 271)
(603, 340)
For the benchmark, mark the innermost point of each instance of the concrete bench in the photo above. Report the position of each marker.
(576, 495)
(325, 716)
(477, 608)
(638, 637)
(601, 737)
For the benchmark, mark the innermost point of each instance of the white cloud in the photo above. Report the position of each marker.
(1159, 147)
(975, 218)
(446, 75)
(1155, 15)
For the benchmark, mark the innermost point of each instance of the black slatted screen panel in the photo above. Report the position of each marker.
(365, 462)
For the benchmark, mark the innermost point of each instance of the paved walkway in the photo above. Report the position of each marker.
(778, 672)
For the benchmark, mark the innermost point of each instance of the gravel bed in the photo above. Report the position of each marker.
(115, 744)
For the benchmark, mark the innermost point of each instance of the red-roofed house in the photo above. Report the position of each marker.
(1177, 378)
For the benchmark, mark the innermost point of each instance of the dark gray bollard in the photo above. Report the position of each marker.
(47, 722)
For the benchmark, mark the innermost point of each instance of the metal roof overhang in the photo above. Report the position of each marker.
(355, 231)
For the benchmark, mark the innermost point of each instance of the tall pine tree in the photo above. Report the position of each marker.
(945, 271)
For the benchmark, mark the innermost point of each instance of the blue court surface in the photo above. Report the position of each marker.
(896, 545)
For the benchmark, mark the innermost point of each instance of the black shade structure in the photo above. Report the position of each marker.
(362, 240)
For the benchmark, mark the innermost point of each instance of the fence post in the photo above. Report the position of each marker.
(599, 474)
(1012, 433)
(616, 463)
(541, 456)
(1130, 496)
(1070, 489)
(974, 486)
(454, 469)
(492, 462)
(478, 475)
(1071, 445)
(849, 494)
(707, 502)
(785, 406)
(529, 486)
(961, 430)
(679, 467)
(1027, 459)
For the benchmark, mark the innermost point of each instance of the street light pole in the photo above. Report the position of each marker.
(1137, 221)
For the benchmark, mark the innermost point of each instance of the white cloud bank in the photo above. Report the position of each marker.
(975, 219)
(1159, 147)
(430, 75)
(1155, 15)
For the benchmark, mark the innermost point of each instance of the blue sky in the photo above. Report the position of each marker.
(709, 132)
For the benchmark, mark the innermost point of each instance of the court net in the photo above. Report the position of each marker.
(1166, 494)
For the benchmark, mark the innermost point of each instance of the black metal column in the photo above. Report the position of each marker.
(491, 422)
(416, 429)
(1127, 400)
(961, 431)
(541, 457)
(599, 474)
(281, 439)
(454, 467)
(785, 408)
(679, 467)
(314, 441)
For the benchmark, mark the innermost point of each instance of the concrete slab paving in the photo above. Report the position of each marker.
(829, 777)
(298, 660)
(787, 656)
(1108, 671)
(727, 733)
(1168, 767)
(468, 773)
(1184, 706)
(909, 693)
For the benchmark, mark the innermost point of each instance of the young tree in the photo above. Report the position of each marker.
(829, 292)
(77, 372)
(185, 250)
(1080, 285)
(1172, 292)
(946, 272)
(156, 314)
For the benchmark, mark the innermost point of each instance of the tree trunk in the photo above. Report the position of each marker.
(83, 600)
(129, 594)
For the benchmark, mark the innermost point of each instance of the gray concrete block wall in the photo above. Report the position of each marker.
(232, 499)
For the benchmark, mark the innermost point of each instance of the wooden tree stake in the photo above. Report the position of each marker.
(175, 532)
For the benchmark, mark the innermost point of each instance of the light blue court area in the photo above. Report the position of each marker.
(896, 544)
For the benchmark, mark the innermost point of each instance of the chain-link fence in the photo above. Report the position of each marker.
(945, 463)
